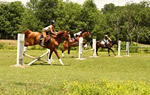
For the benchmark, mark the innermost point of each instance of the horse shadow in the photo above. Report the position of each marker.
(43, 64)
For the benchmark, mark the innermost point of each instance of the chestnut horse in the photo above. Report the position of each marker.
(108, 46)
(68, 45)
(33, 38)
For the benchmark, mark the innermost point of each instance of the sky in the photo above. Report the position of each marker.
(100, 3)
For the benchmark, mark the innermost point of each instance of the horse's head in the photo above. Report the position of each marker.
(114, 42)
(64, 34)
(86, 34)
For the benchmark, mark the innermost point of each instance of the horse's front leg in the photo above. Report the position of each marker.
(63, 52)
(55, 50)
(50, 55)
(26, 46)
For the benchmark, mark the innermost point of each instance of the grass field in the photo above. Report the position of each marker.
(43, 79)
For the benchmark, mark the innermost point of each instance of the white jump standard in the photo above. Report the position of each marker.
(127, 48)
(119, 49)
(21, 52)
(20, 49)
(94, 48)
(80, 49)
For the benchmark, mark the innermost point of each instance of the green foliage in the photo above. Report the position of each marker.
(11, 19)
(126, 23)
(134, 48)
(105, 87)
(30, 21)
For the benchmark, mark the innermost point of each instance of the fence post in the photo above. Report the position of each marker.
(80, 47)
(127, 48)
(94, 47)
(20, 49)
(119, 48)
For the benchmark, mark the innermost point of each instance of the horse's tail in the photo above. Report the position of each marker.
(27, 32)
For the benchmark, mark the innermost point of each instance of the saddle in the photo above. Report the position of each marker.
(72, 40)
(47, 39)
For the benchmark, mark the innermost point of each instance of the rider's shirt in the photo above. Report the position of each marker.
(47, 28)
(105, 40)
(77, 34)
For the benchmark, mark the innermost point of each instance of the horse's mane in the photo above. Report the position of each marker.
(84, 32)
(27, 31)
(60, 32)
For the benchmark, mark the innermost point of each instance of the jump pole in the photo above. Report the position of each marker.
(39, 58)
(20, 49)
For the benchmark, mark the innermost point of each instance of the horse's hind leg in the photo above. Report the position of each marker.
(97, 51)
(50, 55)
(69, 48)
(113, 51)
(108, 52)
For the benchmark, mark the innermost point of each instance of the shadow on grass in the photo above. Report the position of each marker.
(43, 64)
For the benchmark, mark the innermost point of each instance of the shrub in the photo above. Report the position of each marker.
(105, 87)
(2, 45)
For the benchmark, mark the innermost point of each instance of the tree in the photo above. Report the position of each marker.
(91, 16)
(45, 11)
(11, 14)
(32, 4)
(108, 8)
(30, 21)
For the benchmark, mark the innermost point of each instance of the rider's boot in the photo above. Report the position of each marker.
(42, 44)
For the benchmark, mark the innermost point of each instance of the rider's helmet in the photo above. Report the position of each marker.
(53, 21)
(107, 33)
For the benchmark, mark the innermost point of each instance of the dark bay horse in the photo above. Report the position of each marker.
(68, 45)
(108, 46)
(33, 38)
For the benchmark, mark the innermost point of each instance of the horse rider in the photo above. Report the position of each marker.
(49, 30)
(106, 38)
(78, 34)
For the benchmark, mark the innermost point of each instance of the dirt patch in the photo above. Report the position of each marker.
(8, 41)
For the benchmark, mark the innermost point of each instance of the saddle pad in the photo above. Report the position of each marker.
(102, 42)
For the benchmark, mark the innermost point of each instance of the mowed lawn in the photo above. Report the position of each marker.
(43, 78)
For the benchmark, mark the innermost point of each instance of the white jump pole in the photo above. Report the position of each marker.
(94, 47)
(127, 48)
(119, 47)
(80, 47)
(36, 59)
(20, 49)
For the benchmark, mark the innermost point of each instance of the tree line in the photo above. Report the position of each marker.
(127, 23)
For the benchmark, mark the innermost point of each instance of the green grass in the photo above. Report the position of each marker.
(43, 79)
